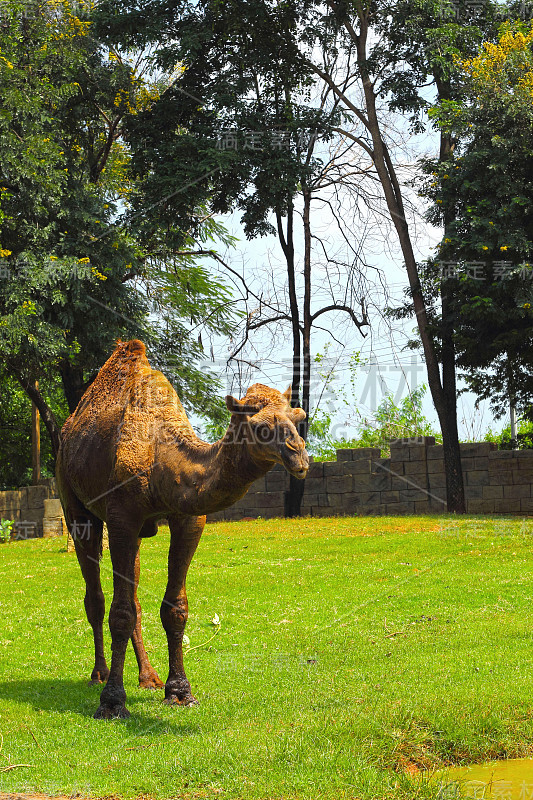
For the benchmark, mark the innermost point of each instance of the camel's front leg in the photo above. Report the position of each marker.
(122, 615)
(87, 535)
(185, 534)
(148, 677)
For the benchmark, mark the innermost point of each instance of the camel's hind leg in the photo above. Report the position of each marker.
(185, 534)
(86, 531)
(124, 528)
(148, 677)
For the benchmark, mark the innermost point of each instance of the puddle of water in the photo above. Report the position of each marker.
(497, 780)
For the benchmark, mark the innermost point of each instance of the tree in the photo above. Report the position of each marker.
(390, 70)
(75, 276)
(255, 134)
(487, 250)
(314, 300)
(398, 53)
(227, 38)
(383, 60)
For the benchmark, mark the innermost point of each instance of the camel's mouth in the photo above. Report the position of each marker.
(298, 473)
(296, 464)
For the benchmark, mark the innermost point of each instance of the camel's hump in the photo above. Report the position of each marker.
(134, 346)
(126, 378)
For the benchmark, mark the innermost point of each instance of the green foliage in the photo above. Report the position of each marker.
(484, 196)
(242, 71)
(321, 443)
(6, 528)
(389, 422)
(524, 436)
(75, 272)
(15, 432)
(217, 427)
(393, 421)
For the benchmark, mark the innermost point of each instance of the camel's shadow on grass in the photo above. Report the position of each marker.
(64, 695)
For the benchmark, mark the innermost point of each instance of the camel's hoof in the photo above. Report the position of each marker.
(113, 712)
(98, 676)
(152, 681)
(185, 701)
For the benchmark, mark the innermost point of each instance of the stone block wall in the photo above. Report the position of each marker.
(26, 507)
(411, 481)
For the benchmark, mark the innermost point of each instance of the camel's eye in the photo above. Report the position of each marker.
(263, 433)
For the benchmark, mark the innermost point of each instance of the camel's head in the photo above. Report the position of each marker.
(267, 423)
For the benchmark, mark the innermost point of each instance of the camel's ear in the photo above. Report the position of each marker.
(236, 406)
(296, 415)
(288, 394)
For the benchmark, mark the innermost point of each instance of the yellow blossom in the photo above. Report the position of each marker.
(504, 247)
(485, 247)
(490, 68)
(4, 253)
(98, 274)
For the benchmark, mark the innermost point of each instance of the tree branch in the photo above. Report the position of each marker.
(331, 83)
(347, 309)
(256, 325)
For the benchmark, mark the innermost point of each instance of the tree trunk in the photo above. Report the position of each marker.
(35, 442)
(455, 495)
(306, 394)
(393, 197)
(74, 384)
(293, 497)
(295, 494)
(287, 245)
(45, 411)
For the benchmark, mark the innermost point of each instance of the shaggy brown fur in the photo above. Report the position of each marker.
(129, 456)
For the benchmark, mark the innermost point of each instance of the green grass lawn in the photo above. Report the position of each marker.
(350, 652)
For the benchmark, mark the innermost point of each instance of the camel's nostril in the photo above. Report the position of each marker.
(291, 445)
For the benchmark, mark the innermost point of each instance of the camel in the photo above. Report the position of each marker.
(129, 457)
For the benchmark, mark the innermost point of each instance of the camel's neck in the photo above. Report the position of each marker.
(198, 478)
(228, 473)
